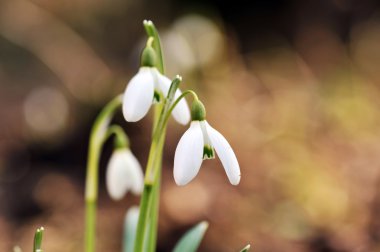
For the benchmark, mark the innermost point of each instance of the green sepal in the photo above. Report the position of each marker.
(121, 142)
(198, 111)
(148, 57)
(192, 239)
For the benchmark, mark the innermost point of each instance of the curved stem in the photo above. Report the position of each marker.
(170, 109)
(97, 137)
(163, 113)
(121, 139)
(160, 131)
(187, 92)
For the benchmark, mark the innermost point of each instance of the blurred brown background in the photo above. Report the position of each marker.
(293, 85)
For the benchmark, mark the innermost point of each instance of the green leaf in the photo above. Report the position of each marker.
(130, 227)
(192, 239)
(246, 248)
(38, 240)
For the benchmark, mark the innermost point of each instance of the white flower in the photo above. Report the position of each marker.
(140, 92)
(123, 173)
(198, 143)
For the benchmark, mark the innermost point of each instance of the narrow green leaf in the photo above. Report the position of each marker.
(192, 239)
(130, 227)
(246, 248)
(38, 240)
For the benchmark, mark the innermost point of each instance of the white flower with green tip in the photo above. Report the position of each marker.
(148, 86)
(198, 143)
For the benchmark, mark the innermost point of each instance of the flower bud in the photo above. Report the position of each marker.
(124, 173)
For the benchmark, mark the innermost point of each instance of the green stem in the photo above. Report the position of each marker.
(148, 218)
(143, 218)
(170, 109)
(90, 225)
(97, 137)
(147, 198)
(160, 130)
(150, 199)
(146, 234)
(121, 139)
(152, 235)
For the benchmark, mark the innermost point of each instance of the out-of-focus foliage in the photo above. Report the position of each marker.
(192, 238)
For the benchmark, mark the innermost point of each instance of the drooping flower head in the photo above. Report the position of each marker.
(123, 173)
(200, 142)
(149, 86)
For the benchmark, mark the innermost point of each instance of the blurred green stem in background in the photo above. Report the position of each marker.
(99, 134)
(38, 240)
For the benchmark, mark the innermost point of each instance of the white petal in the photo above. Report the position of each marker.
(181, 112)
(226, 155)
(116, 174)
(188, 155)
(206, 138)
(162, 82)
(123, 173)
(138, 95)
(135, 174)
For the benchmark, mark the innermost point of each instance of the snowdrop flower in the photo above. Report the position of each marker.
(198, 143)
(124, 173)
(148, 86)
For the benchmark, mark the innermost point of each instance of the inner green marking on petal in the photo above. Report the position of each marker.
(156, 97)
(208, 152)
